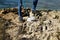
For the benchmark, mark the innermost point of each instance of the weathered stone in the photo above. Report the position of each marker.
(46, 27)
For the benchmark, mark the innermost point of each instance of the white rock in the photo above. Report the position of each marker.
(31, 18)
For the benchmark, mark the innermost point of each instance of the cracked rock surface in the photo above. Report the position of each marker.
(46, 27)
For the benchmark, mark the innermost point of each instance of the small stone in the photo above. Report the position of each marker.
(31, 19)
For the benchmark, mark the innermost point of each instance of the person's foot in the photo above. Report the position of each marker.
(21, 19)
(31, 16)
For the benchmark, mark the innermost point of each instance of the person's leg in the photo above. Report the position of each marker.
(32, 17)
(19, 10)
(35, 4)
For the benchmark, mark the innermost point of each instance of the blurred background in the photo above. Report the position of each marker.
(42, 4)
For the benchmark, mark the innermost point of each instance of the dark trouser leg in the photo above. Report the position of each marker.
(35, 4)
(19, 10)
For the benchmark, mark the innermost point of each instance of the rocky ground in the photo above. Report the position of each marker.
(45, 27)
